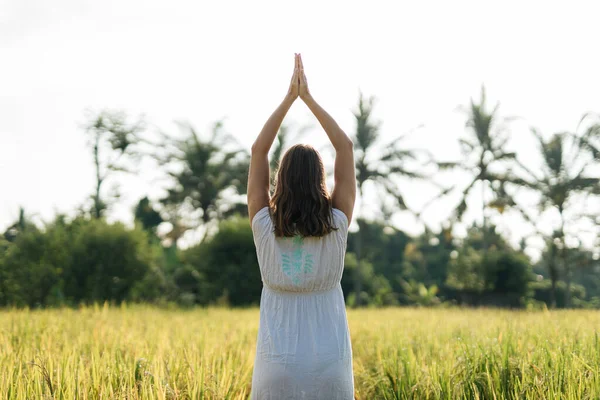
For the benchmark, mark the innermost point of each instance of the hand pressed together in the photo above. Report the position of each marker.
(298, 84)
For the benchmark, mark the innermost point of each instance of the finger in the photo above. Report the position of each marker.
(301, 66)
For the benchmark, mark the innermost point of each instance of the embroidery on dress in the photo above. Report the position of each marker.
(297, 262)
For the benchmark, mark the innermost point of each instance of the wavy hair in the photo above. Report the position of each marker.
(301, 204)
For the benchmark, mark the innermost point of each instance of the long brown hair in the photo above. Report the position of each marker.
(301, 204)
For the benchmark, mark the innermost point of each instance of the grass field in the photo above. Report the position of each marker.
(146, 353)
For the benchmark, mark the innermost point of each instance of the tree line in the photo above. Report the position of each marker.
(81, 258)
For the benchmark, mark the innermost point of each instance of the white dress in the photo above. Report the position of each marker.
(303, 348)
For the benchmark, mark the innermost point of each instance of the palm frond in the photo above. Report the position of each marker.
(445, 165)
(585, 116)
(506, 156)
(437, 197)
(466, 145)
(367, 131)
(462, 206)
(583, 184)
(532, 174)
(397, 170)
(552, 152)
(460, 210)
(389, 187)
(392, 154)
(590, 139)
(533, 221)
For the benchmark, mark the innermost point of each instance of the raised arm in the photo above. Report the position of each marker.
(344, 190)
(258, 176)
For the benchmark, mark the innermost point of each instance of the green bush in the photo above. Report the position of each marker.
(508, 274)
(492, 277)
(376, 288)
(542, 292)
(33, 267)
(106, 261)
(227, 266)
(156, 286)
(68, 263)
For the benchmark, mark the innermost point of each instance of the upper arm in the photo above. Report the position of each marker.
(344, 189)
(258, 183)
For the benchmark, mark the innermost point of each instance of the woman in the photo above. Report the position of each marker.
(303, 348)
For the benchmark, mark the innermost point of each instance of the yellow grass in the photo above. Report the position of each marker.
(139, 352)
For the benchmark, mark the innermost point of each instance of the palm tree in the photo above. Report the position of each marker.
(381, 168)
(205, 174)
(484, 155)
(589, 140)
(111, 137)
(565, 175)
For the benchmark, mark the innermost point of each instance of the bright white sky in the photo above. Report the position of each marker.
(200, 61)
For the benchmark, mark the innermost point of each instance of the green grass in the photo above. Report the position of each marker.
(146, 353)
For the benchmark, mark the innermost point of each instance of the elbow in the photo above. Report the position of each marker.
(350, 143)
(256, 149)
(345, 145)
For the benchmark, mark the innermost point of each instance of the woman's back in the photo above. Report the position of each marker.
(303, 349)
(297, 264)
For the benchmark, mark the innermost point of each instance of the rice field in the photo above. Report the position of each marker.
(140, 352)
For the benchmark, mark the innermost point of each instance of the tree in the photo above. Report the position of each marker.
(22, 224)
(383, 249)
(69, 262)
(381, 168)
(487, 270)
(427, 256)
(225, 265)
(542, 289)
(565, 179)
(484, 154)
(106, 261)
(507, 277)
(111, 139)
(205, 174)
(31, 270)
(589, 140)
(377, 290)
(146, 215)
(586, 272)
